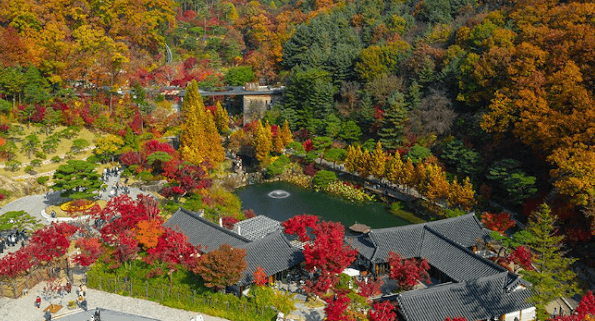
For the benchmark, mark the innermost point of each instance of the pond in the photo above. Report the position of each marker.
(281, 201)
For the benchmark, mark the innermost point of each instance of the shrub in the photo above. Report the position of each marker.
(41, 180)
(276, 167)
(36, 162)
(249, 213)
(56, 159)
(41, 154)
(323, 178)
(13, 165)
(396, 206)
(229, 222)
(28, 169)
(93, 159)
(298, 148)
(348, 192)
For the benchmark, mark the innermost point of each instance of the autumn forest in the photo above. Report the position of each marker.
(497, 91)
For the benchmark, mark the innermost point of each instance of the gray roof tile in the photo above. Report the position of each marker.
(478, 299)
(201, 231)
(273, 253)
(257, 227)
(465, 229)
(405, 240)
(454, 260)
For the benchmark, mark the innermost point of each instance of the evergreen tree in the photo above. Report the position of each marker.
(552, 277)
(393, 123)
(377, 162)
(78, 179)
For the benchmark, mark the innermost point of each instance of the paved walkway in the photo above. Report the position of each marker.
(22, 309)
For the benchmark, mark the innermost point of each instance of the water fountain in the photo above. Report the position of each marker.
(278, 193)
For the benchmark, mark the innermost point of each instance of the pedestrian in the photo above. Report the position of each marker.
(84, 289)
(80, 300)
(68, 287)
(38, 302)
(97, 314)
(47, 316)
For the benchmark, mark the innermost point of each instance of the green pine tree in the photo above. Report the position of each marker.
(391, 133)
(77, 179)
(552, 277)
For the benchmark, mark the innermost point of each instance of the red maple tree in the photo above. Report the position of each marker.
(368, 288)
(91, 249)
(522, 256)
(455, 319)
(497, 222)
(14, 264)
(51, 241)
(584, 311)
(336, 307)
(259, 277)
(382, 311)
(298, 224)
(407, 272)
(326, 255)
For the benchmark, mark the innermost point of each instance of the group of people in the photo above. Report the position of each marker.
(12, 238)
(81, 301)
(118, 188)
(108, 172)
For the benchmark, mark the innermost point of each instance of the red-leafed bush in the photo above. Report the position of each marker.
(229, 222)
(4, 128)
(308, 145)
(311, 169)
(249, 213)
(497, 222)
(130, 158)
(407, 272)
(260, 278)
(522, 256)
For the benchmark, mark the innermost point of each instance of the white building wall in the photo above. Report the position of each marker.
(524, 315)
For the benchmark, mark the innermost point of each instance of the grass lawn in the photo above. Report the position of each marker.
(62, 148)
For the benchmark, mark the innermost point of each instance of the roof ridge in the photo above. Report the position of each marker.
(461, 247)
(216, 226)
(451, 219)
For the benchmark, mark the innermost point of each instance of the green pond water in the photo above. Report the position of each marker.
(281, 201)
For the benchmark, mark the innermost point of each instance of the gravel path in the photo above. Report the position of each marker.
(22, 309)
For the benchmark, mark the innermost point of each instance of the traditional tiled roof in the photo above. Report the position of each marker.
(257, 227)
(364, 246)
(465, 229)
(405, 240)
(454, 260)
(480, 299)
(273, 253)
(444, 243)
(201, 231)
